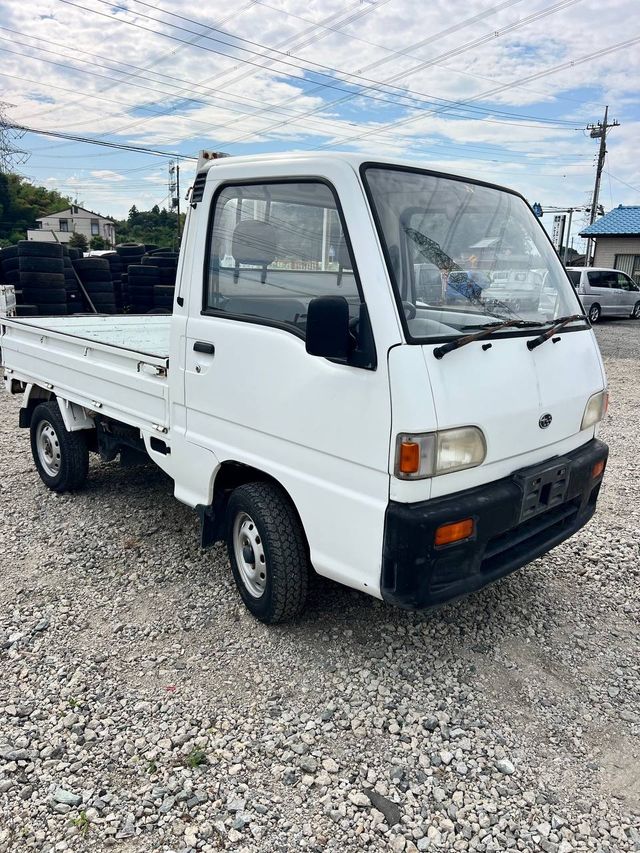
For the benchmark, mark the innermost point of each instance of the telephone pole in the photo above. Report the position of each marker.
(174, 193)
(598, 131)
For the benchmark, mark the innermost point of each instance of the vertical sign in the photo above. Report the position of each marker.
(557, 235)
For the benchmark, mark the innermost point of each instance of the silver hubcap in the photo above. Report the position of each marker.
(249, 553)
(594, 314)
(636, 310)
(48, 448)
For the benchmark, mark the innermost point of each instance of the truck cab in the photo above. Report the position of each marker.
(323, 412)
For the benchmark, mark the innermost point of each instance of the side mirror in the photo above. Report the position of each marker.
(328, 327)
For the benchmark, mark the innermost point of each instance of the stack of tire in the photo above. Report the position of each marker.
(75, 302)
(95, 275)
(167, 263)
(41, 279)
(142, 279)
(10, 274)
(115, 265)
(129, 253)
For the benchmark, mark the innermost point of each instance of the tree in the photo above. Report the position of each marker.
(156, 226)
(21, 203)
(98, 242)
(79, 241)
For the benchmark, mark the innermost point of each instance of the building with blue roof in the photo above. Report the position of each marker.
(617, 239)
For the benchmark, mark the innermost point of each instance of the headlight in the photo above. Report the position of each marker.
(595, 409)
(432, 453)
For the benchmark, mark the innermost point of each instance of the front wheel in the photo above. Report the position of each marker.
(595, 313)
(268, 552)
(61, 457)
(635, 314)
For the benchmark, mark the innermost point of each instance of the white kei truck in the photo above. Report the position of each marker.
(314, 410)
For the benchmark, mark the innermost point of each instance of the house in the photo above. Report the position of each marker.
(72, 220)
(617, 238)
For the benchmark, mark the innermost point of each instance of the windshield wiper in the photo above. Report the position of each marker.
(558, 323)
(486, 331)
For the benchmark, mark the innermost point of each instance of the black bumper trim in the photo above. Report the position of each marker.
(416, 574)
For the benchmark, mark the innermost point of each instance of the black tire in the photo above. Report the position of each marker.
(58, 310)
(160, 261)
(47, 265)
(9, 264)
(635, 314)
(74, 254)
(98, 286)
(8, 252)
(37, 249)
(11, 277)
(143, 271)
(41, 279)
(66, 450)
(26, 310)
(47, 296)
(267, 515)
(91, 264)
(595, 313)
(88, 276)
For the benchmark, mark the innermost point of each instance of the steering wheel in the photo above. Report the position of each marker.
(409, 310)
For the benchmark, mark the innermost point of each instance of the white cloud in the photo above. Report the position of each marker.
(85, 79)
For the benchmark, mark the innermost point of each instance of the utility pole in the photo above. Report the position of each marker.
(598, 131)
(174, 193)
(10, 156)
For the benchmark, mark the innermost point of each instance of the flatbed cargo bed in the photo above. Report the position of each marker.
(115, 364)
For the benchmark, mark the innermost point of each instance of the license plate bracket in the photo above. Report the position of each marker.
(543, 486)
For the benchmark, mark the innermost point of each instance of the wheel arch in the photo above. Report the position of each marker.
(228, 477)
(75, 417)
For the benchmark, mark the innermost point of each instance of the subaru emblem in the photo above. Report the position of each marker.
(545, 420)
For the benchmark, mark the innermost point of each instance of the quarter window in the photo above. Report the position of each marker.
(274, 247)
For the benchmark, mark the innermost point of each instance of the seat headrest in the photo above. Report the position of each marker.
(344, 258)
(254, 242)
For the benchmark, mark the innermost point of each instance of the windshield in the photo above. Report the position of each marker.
(462, 255)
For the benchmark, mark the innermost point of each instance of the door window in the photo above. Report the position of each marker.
(275, 246)
(625, 283)
(603, 278)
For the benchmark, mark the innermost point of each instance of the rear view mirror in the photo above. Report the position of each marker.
(328, 327)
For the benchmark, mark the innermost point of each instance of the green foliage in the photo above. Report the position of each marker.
(81, 823)
(98, 242)
(21, 203)
(155, 226)
(195, 758)
(79, 241)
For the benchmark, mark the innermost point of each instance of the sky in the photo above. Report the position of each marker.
(501, 91)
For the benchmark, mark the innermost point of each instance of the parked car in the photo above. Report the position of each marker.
(315, 414)
(606, 293)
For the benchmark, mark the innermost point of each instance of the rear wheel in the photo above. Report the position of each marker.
(268, 552)
(635, 314)
(61, 457)
(595, 312)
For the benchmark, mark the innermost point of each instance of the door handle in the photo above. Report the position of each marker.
(202, 346)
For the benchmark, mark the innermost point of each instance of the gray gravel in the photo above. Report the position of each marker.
(142, 709)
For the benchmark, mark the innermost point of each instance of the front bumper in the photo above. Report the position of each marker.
(417, 574)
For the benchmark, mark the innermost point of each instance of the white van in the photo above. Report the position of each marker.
(606, 292)
(315, 412)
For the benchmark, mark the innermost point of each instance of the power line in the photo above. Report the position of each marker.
(328, 73)
(120, 146)
(554, 69)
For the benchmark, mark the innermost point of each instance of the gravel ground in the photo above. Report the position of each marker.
(142, 708)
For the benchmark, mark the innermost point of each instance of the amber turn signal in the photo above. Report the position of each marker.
(454, 532)
(409, 457)
(597, 469)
